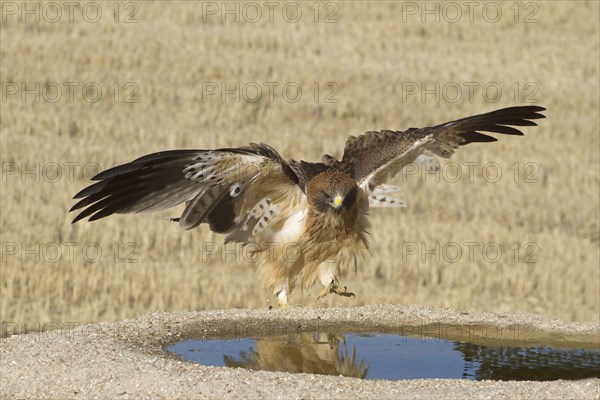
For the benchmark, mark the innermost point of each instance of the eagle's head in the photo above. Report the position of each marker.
(332, 192)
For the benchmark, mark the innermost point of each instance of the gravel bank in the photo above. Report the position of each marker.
(126, 360)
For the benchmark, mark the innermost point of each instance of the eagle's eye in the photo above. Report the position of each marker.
(325, 196)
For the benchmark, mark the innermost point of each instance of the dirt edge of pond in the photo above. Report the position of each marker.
(126, 359)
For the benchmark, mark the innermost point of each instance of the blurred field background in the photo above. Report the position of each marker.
(372, 54)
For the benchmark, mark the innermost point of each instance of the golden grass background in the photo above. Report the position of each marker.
(369, 53)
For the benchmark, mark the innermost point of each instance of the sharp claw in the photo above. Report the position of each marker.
(344, 292)
(333, 288)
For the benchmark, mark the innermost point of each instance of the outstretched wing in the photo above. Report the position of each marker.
(227, 188)
(373, 157)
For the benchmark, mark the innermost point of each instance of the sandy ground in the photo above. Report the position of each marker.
(126, 360)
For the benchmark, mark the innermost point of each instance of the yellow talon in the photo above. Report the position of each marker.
(334, 288)
(323, 293)
(344, 292)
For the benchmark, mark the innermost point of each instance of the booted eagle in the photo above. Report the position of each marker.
(304, 220)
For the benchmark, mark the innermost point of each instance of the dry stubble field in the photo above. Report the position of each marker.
(542, 212)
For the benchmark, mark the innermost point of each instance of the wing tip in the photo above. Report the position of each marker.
(78, 218)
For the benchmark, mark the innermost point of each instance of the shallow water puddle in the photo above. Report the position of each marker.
(389, 356)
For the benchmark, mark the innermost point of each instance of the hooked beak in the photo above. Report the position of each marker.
(337, 202)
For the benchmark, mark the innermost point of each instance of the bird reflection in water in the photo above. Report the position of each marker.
(319, 353)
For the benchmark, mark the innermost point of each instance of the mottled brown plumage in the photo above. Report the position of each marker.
(319, 353)
(306, 221)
